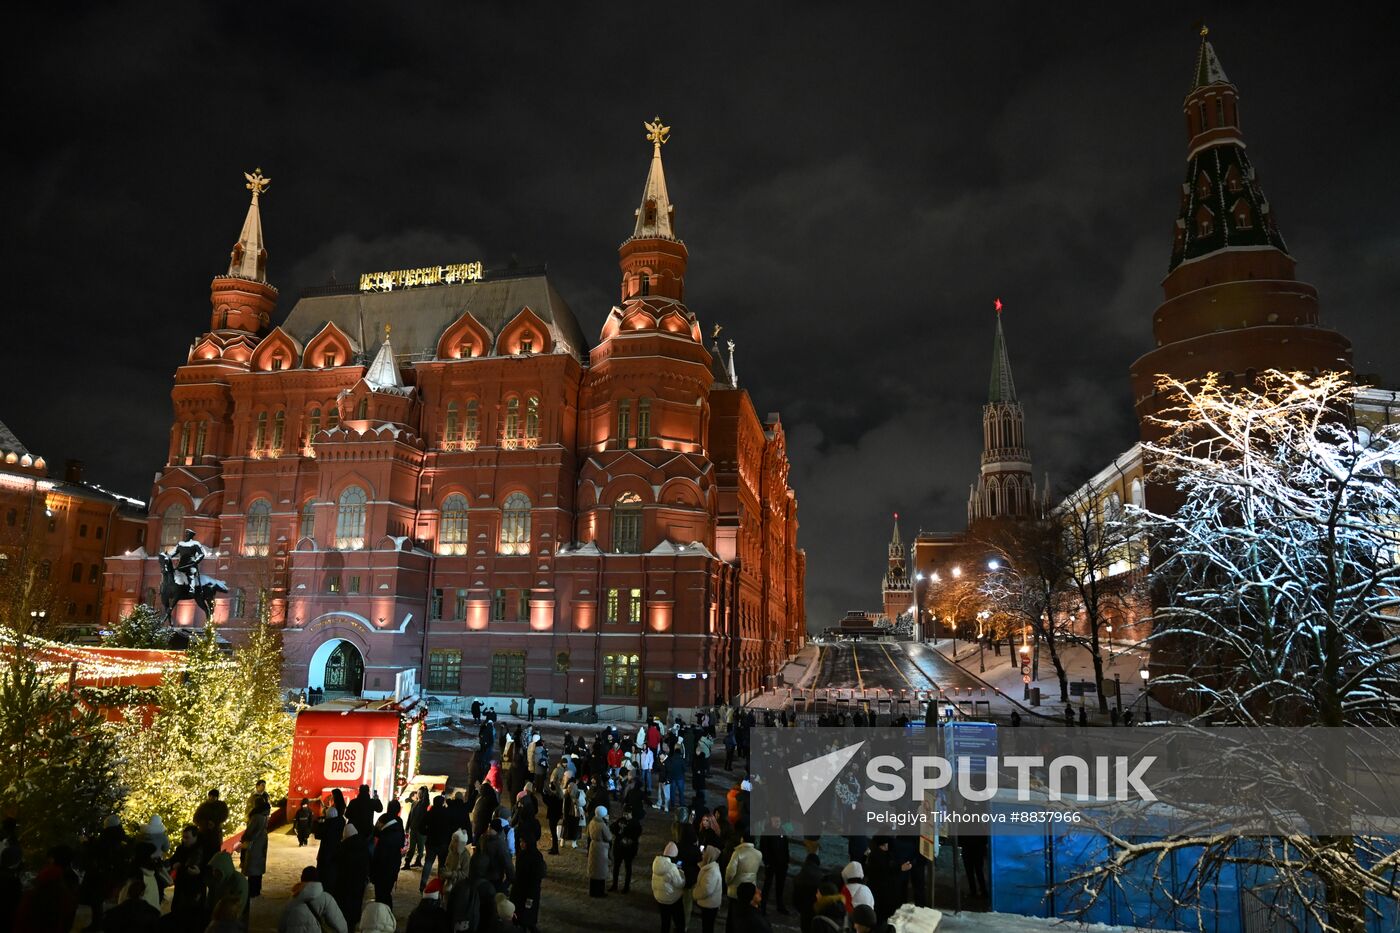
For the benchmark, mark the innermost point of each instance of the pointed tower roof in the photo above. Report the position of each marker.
(1208, 70)
(895, 539)
(249, 257)
(1002, 388)
(656, 215)
(383, 373)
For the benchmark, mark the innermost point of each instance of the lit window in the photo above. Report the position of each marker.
(511, 434)
(333, 583)
(643, 421)
(620, 674)
(469, 439)
(515, 524)
(308, 519)
(332, 416)
(452, 533)
(464, 350)
(258, 532)
(328, 359)
(277, 362)
(313, 425)
(634, 607)
(350, 520)
(627, 524)
(444, 670)
(279, 431)
(610, 615)
(172, 526)
(527, 342)
(452, 431)
(260, 432)
(532, 422)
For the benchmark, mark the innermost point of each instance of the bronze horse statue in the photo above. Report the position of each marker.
(172, 592)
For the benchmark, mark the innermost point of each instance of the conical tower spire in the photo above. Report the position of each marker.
(249, 257)
(1002, 388)
(896, 542)
(1208, 70)
(656, 215)
(383, 372)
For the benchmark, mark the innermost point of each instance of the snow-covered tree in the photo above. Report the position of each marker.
(1028, 589)
(142, 627)
(221, 722)
(1277, 590)
(58, 770)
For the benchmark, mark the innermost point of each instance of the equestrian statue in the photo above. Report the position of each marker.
(180, 579)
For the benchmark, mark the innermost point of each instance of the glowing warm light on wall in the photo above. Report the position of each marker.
(660, 617)
(478, 614)
(541, 614)
(583, 617)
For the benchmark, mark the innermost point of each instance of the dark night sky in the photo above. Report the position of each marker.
(855, 184)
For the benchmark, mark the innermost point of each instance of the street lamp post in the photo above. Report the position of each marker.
(982, 618)
(1146, 696)
(1025, 652)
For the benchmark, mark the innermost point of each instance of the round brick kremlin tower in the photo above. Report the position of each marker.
(1231, 304)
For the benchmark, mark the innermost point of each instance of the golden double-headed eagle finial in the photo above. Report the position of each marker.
(257, 182)
(656, 133)
(1205, 30)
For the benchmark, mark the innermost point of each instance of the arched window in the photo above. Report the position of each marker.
(515, 524)
(279, 430)
(527, 343)
(260, 432)
(1205, 221)
(452, 531)
(362, 409)
(258, 532)
(308, 520)
(532, 421)
(992, 499)
(201, 435)
(350, 519)
(646, 279)
(452, 432)
(332, 416)
(473, 429)
(172, 525)
(1136, 493)
(237, 604)
(183, 450)
(511, 435)
(1007, 439)
(643, 421)
(313, 425)
(624, 421)
(627, 524)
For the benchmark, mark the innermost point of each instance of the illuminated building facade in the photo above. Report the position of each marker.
(433, 471)
(54, 536)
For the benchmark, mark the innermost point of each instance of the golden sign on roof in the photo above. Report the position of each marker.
(452, 274)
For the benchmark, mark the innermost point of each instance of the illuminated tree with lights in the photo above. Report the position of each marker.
(142, 627)
(1278, 590)
(221, 722)
(58, 774)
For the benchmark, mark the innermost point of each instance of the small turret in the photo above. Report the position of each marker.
(242, 299)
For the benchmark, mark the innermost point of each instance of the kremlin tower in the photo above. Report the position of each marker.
(1231, 304)
(1004, 487)
(898, 594)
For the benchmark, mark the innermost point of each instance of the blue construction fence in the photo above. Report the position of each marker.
(1028, 875)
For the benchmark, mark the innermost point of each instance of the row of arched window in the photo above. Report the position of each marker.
(520, 428)
(1002, 431)
(1009, 496)
(270, 429)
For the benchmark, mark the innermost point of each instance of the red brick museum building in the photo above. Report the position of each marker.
(433, 471)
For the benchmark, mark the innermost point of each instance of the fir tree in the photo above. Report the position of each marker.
(142, 627)
(58, 773)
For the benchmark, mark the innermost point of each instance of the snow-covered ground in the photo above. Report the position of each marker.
(1016, 923)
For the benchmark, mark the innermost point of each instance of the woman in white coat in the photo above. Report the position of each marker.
(667, 886)
(709, 889)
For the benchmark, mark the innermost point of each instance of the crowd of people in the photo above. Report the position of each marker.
(479, 856)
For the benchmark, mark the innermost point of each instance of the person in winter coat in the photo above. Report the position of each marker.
(675, 773)
(575, 813)
(492, 859)
(378, 917)
(774, 848)
(415, 825)
(311, 909)
(155, 834)
(226, 886)
(554, 813)
(437, 834)
(743, 867)
(429, 916)
(210, 817)
(360, 812)
(854, 890)
(667, 886)
(600, 839)
(804, 890)
(252, 850)
(51, 902)
(709, 889)
(628, 833)
(829, 910)
(525, 892)
(493, 777)
(484, 810)
(330, 828)
(134, 914)
(352, 871)
(304, 822)
(186, 866)
(886, 875)
(745, 915)
(388, 849)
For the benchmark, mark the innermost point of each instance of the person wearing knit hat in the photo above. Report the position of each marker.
(667, 886)
(430, 914)
(505, 910)
(853, 888)
(378, 917)
(743, 910)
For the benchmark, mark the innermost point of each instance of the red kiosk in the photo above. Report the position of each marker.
(348, 742)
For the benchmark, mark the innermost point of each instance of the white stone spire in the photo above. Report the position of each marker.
(249, 257)
(656, 215)
(383, 372)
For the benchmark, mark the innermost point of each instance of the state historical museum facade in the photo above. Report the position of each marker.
(433, 471)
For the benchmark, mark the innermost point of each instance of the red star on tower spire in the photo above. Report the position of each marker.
(998, 305)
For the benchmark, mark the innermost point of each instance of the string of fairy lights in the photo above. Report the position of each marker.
(58, 658)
